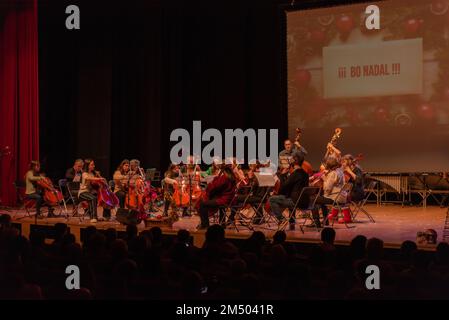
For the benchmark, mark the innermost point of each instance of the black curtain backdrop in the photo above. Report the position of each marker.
(135, 71)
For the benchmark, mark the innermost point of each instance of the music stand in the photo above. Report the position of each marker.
(267, 180)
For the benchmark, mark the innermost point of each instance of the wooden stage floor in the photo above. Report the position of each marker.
(394, 224)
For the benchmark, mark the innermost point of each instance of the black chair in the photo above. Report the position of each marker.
(359, 205)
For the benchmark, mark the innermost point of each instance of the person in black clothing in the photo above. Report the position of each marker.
(254, 199)
(291, 187)
(74, 173)
(355, 174)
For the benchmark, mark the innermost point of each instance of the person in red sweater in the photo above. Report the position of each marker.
(219, 192)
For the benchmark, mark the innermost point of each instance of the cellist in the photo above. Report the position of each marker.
(32, 176)
(87, 193)
(170, 183)
(353, 174)
(121, 177)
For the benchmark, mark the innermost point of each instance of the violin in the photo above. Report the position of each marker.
(52, 196)
(106, 198)
(306, 166)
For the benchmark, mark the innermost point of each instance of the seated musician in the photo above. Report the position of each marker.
(170, 183)
(87, 193)
(333, 181)
(213, 169)
(219, 193)
(255, 198)
(354, 174)
(74, 173)
(121, 179)
(32, 191)
(290, 189)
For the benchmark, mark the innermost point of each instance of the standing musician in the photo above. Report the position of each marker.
(290, 189)
(353, 174)
(74, 173)
(333, 181)
(121, 177)
(218, 193)
(86, 191)
(290, 149)
(32, 176)
(257, 193)
(170, 183)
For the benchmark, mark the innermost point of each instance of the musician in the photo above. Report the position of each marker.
(170, 183)
(74, 173)
(257, 194)
(32, 176)
(353, 174)
(213, 169)
(219, 193)
(121, 178)
(290, 189)
(333, 152)
(86, 192)
(333, 181)
(290, 149)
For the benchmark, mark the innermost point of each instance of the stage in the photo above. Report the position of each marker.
(394, 224)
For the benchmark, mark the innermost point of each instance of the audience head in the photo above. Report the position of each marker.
(374, 249)
(358, 246)
(60, 230)
(183, 236)
(408, 248)
(131, 231)
(215, 234)
(156, 235)
(279, 237)
(328, 235)
(442, 253)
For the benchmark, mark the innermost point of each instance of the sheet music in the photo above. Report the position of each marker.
(265, 180)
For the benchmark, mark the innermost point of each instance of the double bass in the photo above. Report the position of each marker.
(316, 179)
(106, 198)
(52, 196)
(306, 166)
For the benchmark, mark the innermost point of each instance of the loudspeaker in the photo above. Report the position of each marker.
(128, 217)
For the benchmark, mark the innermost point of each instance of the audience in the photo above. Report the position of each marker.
(151, 265)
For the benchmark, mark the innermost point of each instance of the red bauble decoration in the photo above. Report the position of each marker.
(382, 113)
(345, 24)
(317, 37)
(413, 26)
(426, 112)
(303, 78)
(439, 7)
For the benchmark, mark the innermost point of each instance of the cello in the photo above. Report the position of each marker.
(106, 198)
(52, 196)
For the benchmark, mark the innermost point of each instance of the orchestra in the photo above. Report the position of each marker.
(187, 189)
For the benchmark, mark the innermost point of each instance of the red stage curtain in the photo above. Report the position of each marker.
(19, 97)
